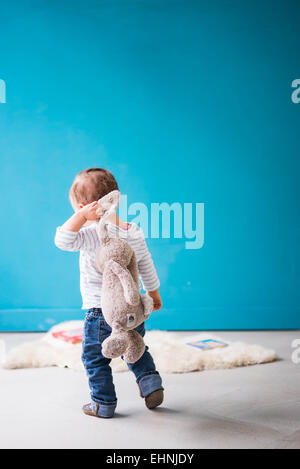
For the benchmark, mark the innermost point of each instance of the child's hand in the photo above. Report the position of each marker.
(81, 216)
(157, 303)
(89, 212)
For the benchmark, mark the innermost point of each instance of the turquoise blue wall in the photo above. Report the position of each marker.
(183, 100)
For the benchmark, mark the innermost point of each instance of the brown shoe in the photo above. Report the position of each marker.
(154, 399)
(87, 410)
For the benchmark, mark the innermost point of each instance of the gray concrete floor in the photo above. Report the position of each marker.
(250, 407)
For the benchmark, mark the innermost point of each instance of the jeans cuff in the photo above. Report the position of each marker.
(149, 383)
(105, 410)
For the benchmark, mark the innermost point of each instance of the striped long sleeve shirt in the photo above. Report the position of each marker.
(87, 241)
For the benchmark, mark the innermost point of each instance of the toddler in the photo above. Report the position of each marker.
(79, 234)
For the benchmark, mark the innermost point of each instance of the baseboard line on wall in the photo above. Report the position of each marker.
(42, 319)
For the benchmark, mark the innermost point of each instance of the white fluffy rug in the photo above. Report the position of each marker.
(169, 350)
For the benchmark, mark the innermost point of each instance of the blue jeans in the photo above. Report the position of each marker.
(96, 330)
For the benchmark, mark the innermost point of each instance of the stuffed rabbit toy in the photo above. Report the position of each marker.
(124, 308)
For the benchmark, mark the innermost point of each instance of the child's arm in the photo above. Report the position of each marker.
(69, 238)
(157, 303)
(149, 276)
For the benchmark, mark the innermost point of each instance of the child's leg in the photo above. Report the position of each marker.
(103, 394)
(147, 377)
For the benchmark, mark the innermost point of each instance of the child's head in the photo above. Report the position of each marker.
(90, 185)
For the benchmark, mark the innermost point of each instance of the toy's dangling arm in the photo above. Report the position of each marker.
(133, 269)
(131, 292)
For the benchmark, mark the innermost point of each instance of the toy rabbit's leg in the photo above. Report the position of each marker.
(115, 345)
(136, 347)
(131, 292)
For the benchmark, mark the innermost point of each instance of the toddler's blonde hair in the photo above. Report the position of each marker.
(91, 184)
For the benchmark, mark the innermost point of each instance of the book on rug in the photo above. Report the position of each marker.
(207, 344)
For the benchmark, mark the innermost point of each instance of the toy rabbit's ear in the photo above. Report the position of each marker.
(110, 201)
(114, 198)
